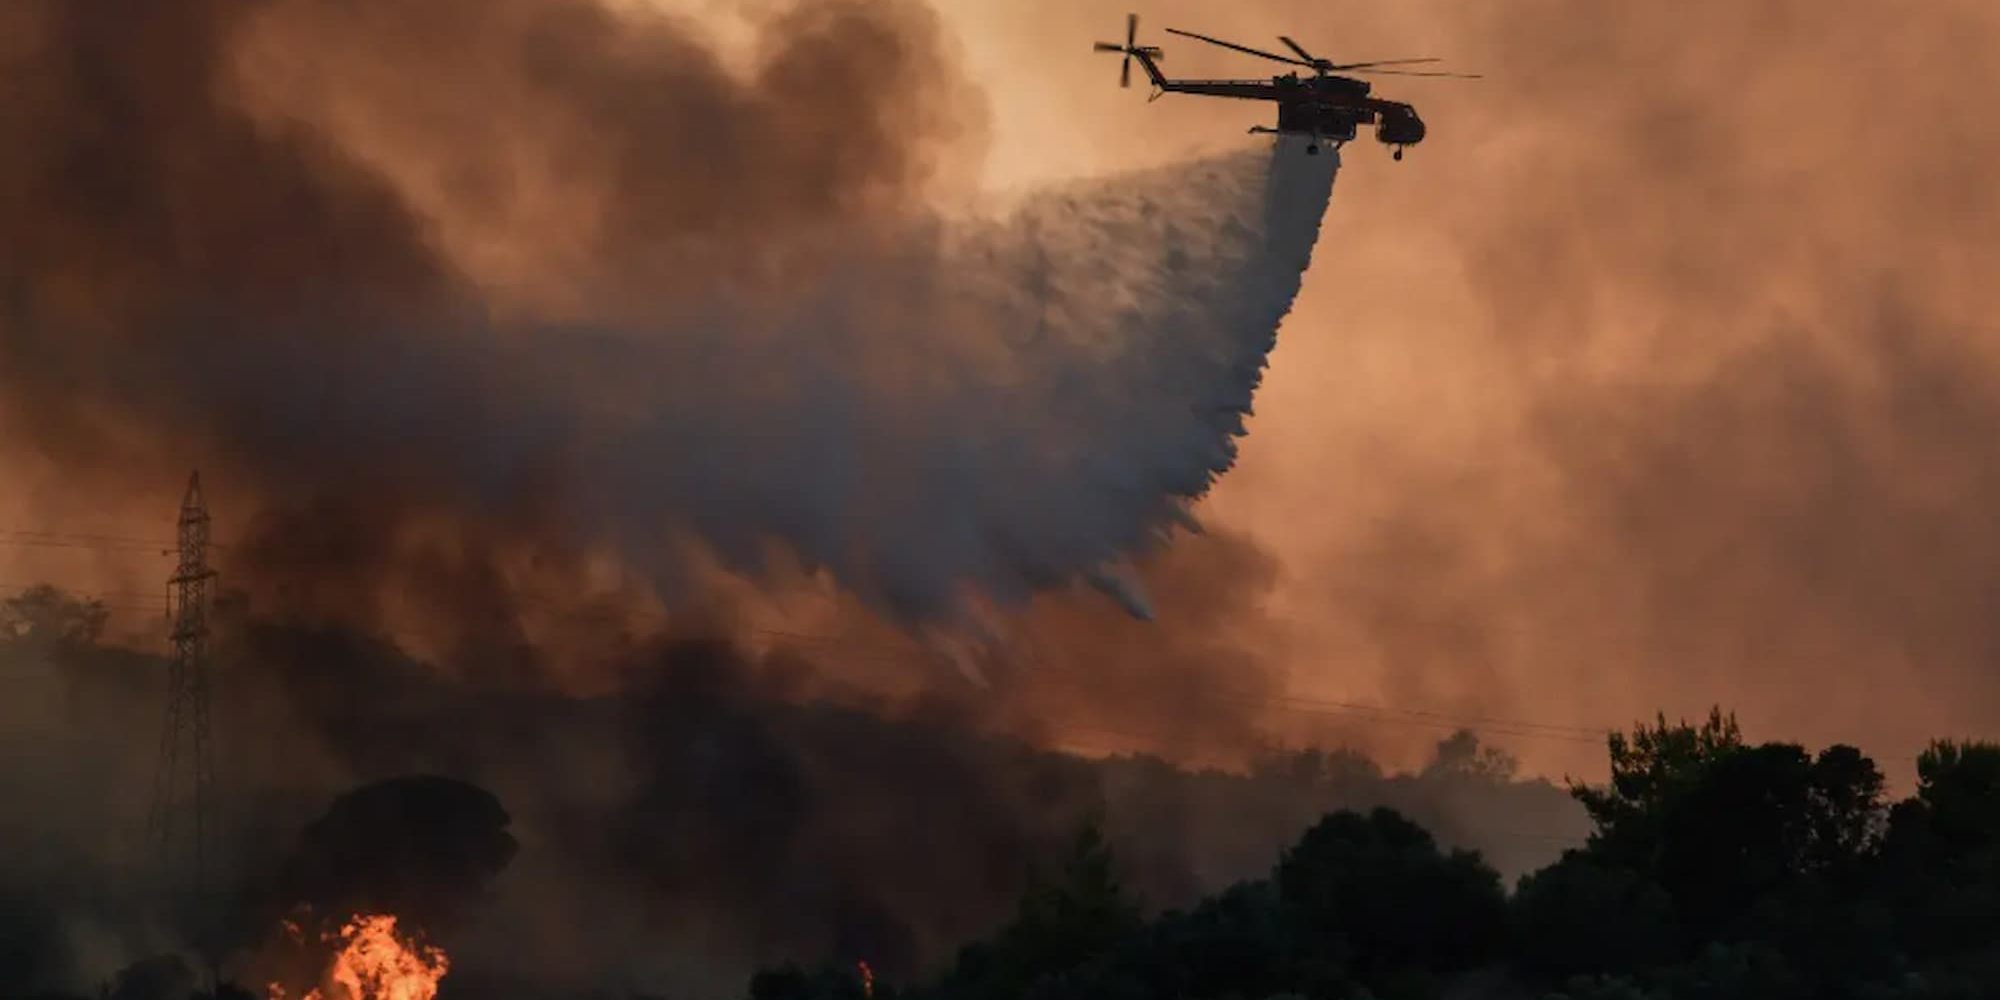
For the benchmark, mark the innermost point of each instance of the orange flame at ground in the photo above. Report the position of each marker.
(374, 963)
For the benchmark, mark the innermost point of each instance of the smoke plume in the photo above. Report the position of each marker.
(451, 293)
(666, 839)
(520, 338)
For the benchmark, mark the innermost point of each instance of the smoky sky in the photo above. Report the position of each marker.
(454, 300)
(1632, 265)
(1656, 377)
(517, 343)
(1752, 359)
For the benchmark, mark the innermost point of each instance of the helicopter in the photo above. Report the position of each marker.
(1324, 107)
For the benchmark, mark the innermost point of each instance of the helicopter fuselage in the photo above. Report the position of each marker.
(1335, 108)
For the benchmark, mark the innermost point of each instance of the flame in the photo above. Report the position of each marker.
(867, 979)
(374, 963)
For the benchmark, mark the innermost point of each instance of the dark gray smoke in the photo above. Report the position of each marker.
(741, 353)
(421, 847)
(471, 308)
(711, 818)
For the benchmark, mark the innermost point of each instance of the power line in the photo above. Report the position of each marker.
(1589, 733)
(85, 538)
(1065, 741)
(110, 600)
(18, 589)
(1343, 710)
(10, 540)
(31, 537)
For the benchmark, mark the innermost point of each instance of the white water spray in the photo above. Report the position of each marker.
(978, 411)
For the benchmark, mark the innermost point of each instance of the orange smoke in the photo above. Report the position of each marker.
(374, 963)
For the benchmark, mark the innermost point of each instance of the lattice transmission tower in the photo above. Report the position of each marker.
(181, 822)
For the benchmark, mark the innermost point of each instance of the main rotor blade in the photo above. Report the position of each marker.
(1382, 62)
(1240, 48)
(1296, 47)
(1406, 72)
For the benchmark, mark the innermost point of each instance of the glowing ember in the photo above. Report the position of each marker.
(867, 979)
(375, 964)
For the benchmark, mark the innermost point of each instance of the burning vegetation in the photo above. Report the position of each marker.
(373, 961)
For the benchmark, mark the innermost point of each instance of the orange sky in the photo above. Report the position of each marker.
(1609, 398)
(1658, 376)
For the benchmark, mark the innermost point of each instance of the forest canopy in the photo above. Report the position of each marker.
(1717, 869)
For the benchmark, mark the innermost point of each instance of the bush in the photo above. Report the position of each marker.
(1601, 988)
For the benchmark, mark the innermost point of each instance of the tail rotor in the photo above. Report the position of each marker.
(1129, 49)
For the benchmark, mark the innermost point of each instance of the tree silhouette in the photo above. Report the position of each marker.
(1376, 890)
(1649, 770)
(1759, 819)
(1460, 756)
(1719, 870)
(46, 617)
(1061, 924)
(1958, 790)
(1941, 870)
